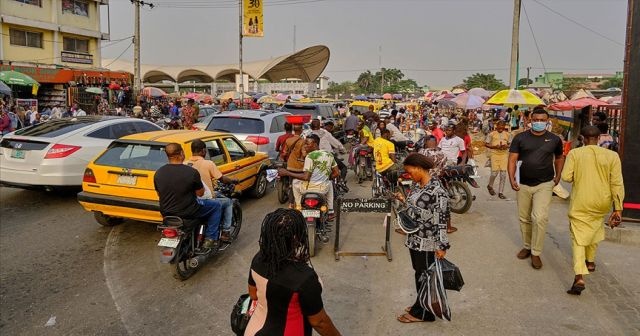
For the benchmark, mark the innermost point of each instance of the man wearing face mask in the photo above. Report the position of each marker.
(542, 161)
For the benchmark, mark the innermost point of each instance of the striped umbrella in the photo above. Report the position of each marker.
(514, 97)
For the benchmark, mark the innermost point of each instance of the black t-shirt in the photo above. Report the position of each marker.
(176, 185)
(537, 155)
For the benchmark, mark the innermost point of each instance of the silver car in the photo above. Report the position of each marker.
(55, 153)
(260, 127)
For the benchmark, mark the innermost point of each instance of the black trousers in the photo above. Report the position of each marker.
(421, 260)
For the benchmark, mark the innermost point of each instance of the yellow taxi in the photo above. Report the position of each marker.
(363, 106)
(118, 183)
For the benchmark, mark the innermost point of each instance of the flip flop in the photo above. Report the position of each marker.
(576, 288)
(491, 191)
(407, 318)
(452, 229)
(591, 266)
(502, 196)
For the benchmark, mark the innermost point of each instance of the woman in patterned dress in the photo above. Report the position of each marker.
(428, 204)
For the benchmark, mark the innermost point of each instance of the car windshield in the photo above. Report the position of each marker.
(302, 109)
(236, 125)
(54, 128)
(133, 156)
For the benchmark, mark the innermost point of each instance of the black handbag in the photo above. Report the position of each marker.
(241, 314)
(451, 276)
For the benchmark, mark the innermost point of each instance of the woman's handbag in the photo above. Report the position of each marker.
(432, 295)
(451, 276)
(241, 314)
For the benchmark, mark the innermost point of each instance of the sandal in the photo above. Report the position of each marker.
(502, 196)
(452, 229)
(576, 288)
(408, 318)
(591, 266)
(491, 191)
(408, 309)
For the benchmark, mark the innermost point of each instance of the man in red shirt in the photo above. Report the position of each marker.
(436, 131)
(288, 133)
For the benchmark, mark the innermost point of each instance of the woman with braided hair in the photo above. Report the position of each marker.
(283, 281)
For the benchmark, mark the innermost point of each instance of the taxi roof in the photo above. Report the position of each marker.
(167, 136)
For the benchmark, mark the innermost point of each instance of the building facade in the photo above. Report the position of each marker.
(60, 32)
(556, 79)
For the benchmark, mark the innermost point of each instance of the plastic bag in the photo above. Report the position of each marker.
(432, 294)
(451, 276)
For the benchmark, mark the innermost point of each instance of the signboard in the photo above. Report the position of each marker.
(245, 82)
(365, 205)
(252, 18)
(74, 57)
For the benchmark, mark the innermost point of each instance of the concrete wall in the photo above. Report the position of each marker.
(91, 22)
(14, 8)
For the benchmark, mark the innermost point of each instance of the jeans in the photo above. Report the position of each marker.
(211, 211)
(227, 210)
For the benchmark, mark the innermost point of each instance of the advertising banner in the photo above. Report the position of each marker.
(252, 23)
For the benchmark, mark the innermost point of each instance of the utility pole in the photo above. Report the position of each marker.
(294, 38)
(528, 79)
(137, 78)
(381, 70)
(241, 87)
(515, 45)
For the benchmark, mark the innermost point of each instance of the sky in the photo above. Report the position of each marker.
(436, 42)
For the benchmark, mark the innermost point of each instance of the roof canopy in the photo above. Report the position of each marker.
(306, 65)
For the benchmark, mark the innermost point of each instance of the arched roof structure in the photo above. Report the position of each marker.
(306, 65)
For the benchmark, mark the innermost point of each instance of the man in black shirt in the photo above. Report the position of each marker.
(540, 152)
(178, 186)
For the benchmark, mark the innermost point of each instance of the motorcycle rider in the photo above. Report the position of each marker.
(293, 153)
(385, 157)
(179, 199)
(319, 168)
(328, 143)
(451, 145)
(210, 175)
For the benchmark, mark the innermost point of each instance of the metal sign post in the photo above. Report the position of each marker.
(364, 205)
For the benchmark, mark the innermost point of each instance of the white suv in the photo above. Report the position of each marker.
(260, 127)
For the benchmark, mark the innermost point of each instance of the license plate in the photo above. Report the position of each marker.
(169, 242)
(127, 179)
(407, 182)
(311, 213)
(17, 153)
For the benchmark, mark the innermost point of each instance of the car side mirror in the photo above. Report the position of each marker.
(251, 153)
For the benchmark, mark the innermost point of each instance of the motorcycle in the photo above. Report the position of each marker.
(455, 180)
(351, 138)
(363, 162)
(181, 239)
(283, 184)
(315, 212)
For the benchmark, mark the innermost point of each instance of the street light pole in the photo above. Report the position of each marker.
(241, 87)
(137, 78)
(515, 45)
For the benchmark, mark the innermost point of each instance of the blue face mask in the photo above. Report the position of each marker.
(538, 126)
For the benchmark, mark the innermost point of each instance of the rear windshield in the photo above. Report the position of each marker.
(302, 109)
(133, 156)
(54, 128)
(236, 125)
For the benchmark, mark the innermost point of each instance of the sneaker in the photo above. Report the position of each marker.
(210, 244)
(225, 236)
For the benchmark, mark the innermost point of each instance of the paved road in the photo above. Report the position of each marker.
(56, 262)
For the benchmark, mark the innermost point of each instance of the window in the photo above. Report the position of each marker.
(277, 124)
(236, 125)
(77, 7)
(115, 131)
(146, 127)
(31, 2)
(235, 149)
(215, 152)
(133, 156)
(25, 38)
(54, 128)
(75, 45)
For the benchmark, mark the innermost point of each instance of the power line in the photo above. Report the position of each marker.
(534, 37)
(117, 58)
(94, 50)
(577, 23)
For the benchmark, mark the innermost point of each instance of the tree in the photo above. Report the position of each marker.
(346, 87)
(485, 81)
(570, 85)
(524, 82)
(615, 82)
(366, 82)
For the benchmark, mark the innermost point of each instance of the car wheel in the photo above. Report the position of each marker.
(104, 220)
(260, 186)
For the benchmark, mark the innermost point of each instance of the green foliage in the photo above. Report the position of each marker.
(524, 82)
(344, 88)
(485, 81)
(611, 83)
(570, 85)
(393, 82)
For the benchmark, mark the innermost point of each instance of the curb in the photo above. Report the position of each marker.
(627, 233)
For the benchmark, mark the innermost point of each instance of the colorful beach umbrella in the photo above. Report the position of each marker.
(468, 102)
(17, 78)
(514, 97)
(95, 90)
(4, 89)
(576, 104)
(151, 91)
